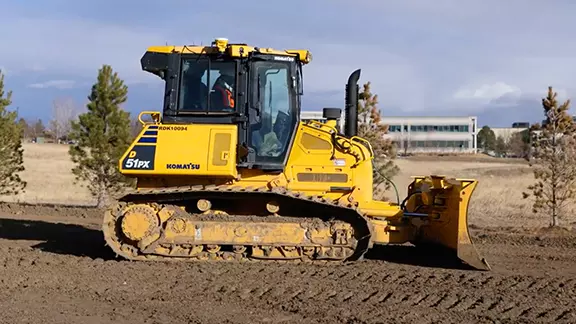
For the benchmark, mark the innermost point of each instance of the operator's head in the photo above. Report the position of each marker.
(227, 73)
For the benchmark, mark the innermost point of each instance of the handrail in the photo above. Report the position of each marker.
(154, 114)
(345, 143)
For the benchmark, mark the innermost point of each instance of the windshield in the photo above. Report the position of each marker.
(274, 91)
(207, 86)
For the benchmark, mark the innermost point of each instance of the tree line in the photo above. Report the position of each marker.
(64, 112)
(516, 145)
(99, 137)
(102, 133)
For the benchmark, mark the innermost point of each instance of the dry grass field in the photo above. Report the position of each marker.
(497, 200)
(49, 177)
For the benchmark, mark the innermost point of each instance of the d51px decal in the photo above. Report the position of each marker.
(140, 158)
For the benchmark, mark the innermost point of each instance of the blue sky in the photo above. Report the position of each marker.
(494, 59)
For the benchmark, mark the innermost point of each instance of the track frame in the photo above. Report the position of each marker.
(269, 208)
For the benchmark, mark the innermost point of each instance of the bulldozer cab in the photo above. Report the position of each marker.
(257, 89)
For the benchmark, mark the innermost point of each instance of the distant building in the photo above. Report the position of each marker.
(521, 125)
(507, 132)
(425, 134)
(433, 134)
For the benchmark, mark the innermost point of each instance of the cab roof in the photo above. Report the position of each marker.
(221, 45)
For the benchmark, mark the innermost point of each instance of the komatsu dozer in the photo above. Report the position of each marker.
(228, 171)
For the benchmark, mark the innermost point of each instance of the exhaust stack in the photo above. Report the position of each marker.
(351, 108)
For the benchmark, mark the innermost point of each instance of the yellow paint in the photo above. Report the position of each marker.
(256, 233)
(188, 150)
(134, 226)
(385, 233)
(321, 163)
(315, 166)
(221, 44)
(155, 115)
(138, 221)
(195, 144)
(233, 50)
(352, 163)
(331, 123)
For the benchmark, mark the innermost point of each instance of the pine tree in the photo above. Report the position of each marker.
(370, 128)
(11, 151)
(486, 139)
(102, 135)
(552, 159)
(24, 126)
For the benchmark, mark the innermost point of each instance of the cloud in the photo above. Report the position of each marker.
(420, 56)
(58, 84)
(488, 92)
(76, 48)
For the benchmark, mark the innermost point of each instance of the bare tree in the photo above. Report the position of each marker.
(64, 111)
(36, 127)
(519, 144)
(501, 146)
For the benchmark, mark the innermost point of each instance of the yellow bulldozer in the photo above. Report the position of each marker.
(228, 171)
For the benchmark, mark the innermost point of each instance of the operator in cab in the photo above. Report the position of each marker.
(194, 92)
(222, 96)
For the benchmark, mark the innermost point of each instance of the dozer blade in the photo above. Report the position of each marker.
(442, 206)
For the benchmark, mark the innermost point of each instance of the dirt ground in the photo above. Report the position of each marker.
(54, 268)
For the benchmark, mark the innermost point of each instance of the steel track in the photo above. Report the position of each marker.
(320, 208)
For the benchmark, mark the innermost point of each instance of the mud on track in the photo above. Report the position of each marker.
(54, 268)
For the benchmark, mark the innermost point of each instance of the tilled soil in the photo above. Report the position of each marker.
(54, 268)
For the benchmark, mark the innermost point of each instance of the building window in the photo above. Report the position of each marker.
(440, 128)
(440, 144)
